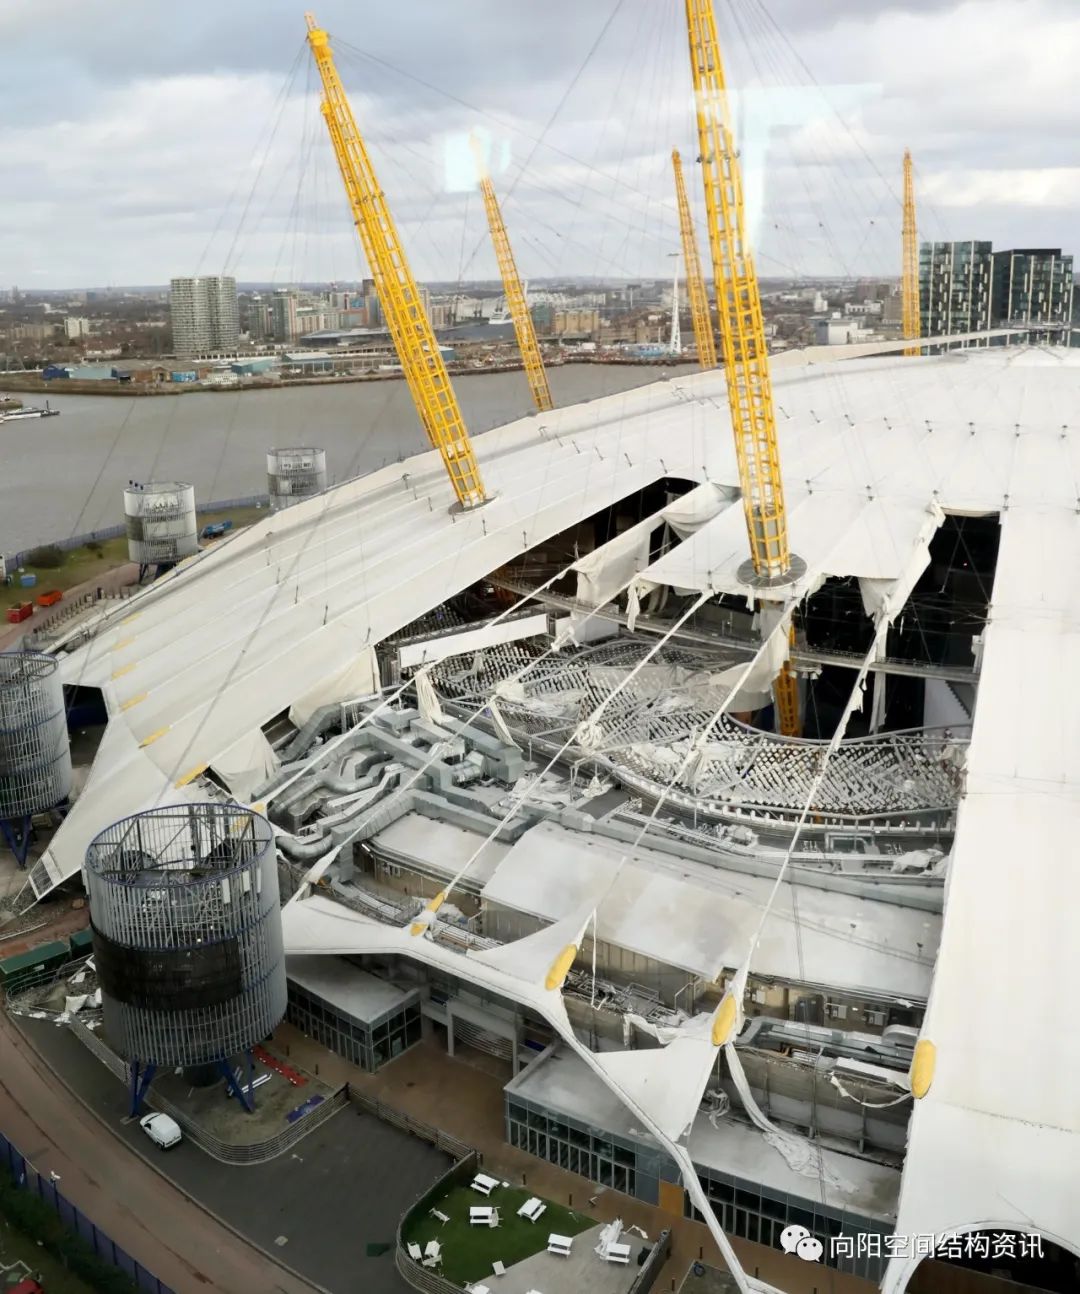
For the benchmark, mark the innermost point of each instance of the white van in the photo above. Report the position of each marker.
(162, 1131)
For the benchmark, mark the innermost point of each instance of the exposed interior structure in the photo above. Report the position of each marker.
(486, 740)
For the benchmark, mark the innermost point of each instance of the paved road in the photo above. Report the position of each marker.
(139, 1208)
(118, 577)
(345, 1186)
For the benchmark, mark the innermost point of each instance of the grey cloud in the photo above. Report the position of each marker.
(132, 166)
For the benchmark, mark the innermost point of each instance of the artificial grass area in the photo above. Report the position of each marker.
(468, 1251)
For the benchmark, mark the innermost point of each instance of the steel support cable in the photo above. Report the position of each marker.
(737, 987)
(277, 113)
(813, 81)
(522, 798)
(539, 141)
(519, 799)
(163, 439)
(555, 646)
(631, 132)
(831, 167)
(537, 189)
(835, 376)
(598, 143)
(823, 164)
(677, 1150)
(306, 140)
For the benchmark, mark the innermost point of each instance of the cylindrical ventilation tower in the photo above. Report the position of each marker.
(187, 935)
(35, 754)
(160, 520)
(294, 474)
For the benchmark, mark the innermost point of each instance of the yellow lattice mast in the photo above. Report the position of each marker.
(704, 336)
(909, 287)
(406, 319)
(516, 301)
(742, 331)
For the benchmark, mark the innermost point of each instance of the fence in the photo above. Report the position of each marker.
(14, 560)
(256, 1152)
(27, 1177)
(419, 1277)
(425, 1131)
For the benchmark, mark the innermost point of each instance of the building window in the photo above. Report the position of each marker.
(351, 1039)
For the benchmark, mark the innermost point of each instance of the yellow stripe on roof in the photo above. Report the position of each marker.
(191, 774)
(133, 700)
(124, 669)
(154, 736)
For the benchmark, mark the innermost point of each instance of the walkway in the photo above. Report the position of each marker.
(141, 1210)
(120, 577)
(467, 1102)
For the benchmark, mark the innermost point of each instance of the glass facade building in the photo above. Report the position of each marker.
(336, 1022)
(1033, 285)
(954, 288)
(631, 1162)
(755, 1212)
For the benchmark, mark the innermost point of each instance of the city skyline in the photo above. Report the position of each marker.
(179, 129)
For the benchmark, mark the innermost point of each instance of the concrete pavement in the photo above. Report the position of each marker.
(342, 1188)
(466, 1101)
(119, 577)
(141, 1210)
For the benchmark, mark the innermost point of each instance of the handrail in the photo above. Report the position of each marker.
(258, 1152)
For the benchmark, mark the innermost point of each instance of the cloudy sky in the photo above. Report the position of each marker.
(142, 140)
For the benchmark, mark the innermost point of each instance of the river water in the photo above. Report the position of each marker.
(64, 476)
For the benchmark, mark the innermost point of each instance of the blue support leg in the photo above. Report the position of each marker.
(16, 833)
(244, 1094)
(141, 1078)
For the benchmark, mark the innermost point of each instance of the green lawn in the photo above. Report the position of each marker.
(88, 563)
(469, 1251)
(77, 566)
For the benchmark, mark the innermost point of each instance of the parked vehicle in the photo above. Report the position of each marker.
(162, 1131)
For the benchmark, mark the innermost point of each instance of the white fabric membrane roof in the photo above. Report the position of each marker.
(700, 919)
(868, 449)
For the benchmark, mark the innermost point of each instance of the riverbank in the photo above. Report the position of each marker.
(75, 570)
(66, 475)
(33, 383)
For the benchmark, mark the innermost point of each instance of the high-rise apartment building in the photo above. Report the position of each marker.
(954, 288)
(1032, 285)
(256, 317)
(283, 315)
(968, 287)
(205, 314)
(224, 312)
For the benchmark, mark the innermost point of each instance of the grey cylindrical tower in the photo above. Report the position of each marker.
(294, 474)
(160, 522)
(35, 754)
(187, 933)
